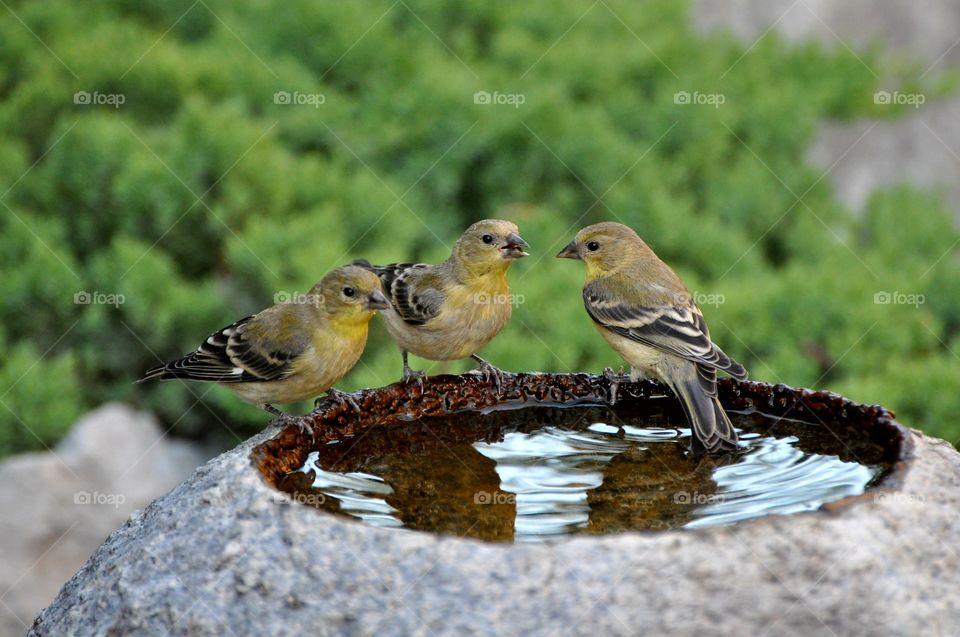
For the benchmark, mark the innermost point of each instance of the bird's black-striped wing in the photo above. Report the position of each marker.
(674, 329)
(226, 357)
(413, 288)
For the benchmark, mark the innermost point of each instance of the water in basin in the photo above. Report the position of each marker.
(560, 472)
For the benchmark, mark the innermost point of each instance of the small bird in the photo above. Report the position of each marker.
(290, 351)
(644, 311)
(451, 310)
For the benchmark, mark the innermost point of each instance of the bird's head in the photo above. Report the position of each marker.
(490, 245)
(605, 248)
(351, 294)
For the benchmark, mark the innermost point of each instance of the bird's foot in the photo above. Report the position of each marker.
(413, 376)
(611, 375)
(615, 379)
(491, 373)
(303, 424)
(337, 397)
(285, 419)
(282, 416)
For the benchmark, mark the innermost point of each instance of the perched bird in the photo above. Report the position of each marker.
(644, 311)
(451, 310)
(290, 351)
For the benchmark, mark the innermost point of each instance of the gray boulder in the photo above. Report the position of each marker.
(923, 146)
(58, 506)
(224, 553)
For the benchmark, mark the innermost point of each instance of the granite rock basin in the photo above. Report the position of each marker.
(234, 550)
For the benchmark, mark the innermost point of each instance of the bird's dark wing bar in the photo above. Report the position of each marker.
(675, 329)
(225, 357)
(416, 303)
(415, 295)
(257, 364)
(387, 273)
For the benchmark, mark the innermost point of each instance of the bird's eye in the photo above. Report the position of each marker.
(349, 292)
(593, 246)
(487, 238)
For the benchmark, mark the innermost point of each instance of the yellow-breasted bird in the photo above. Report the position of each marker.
(451, 310)
(644, 311)
(291, 351)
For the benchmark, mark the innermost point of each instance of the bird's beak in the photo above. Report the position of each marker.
(570, 252)
(513, 248)
(377, 301)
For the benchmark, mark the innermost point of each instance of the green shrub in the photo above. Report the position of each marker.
(202, 196)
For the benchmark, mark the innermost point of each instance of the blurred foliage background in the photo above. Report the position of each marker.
(259, 144)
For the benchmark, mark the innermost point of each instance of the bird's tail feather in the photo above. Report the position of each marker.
(712, 429)
(160, 372)
(736, 370)
(178, 370)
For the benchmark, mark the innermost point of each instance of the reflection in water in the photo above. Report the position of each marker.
(551, 482)
(768, 479)
(360, 494)
(550, 473)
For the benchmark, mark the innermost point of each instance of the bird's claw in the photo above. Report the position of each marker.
(611, 375)
(303, 424)
(414, 376)
(339, 397)
(286, 420)
(615, 379)
(492, 374)
(336, 397)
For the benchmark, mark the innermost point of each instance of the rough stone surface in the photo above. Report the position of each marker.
(223, 553)
(924, 29)
(921, 147)
(58, 506)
